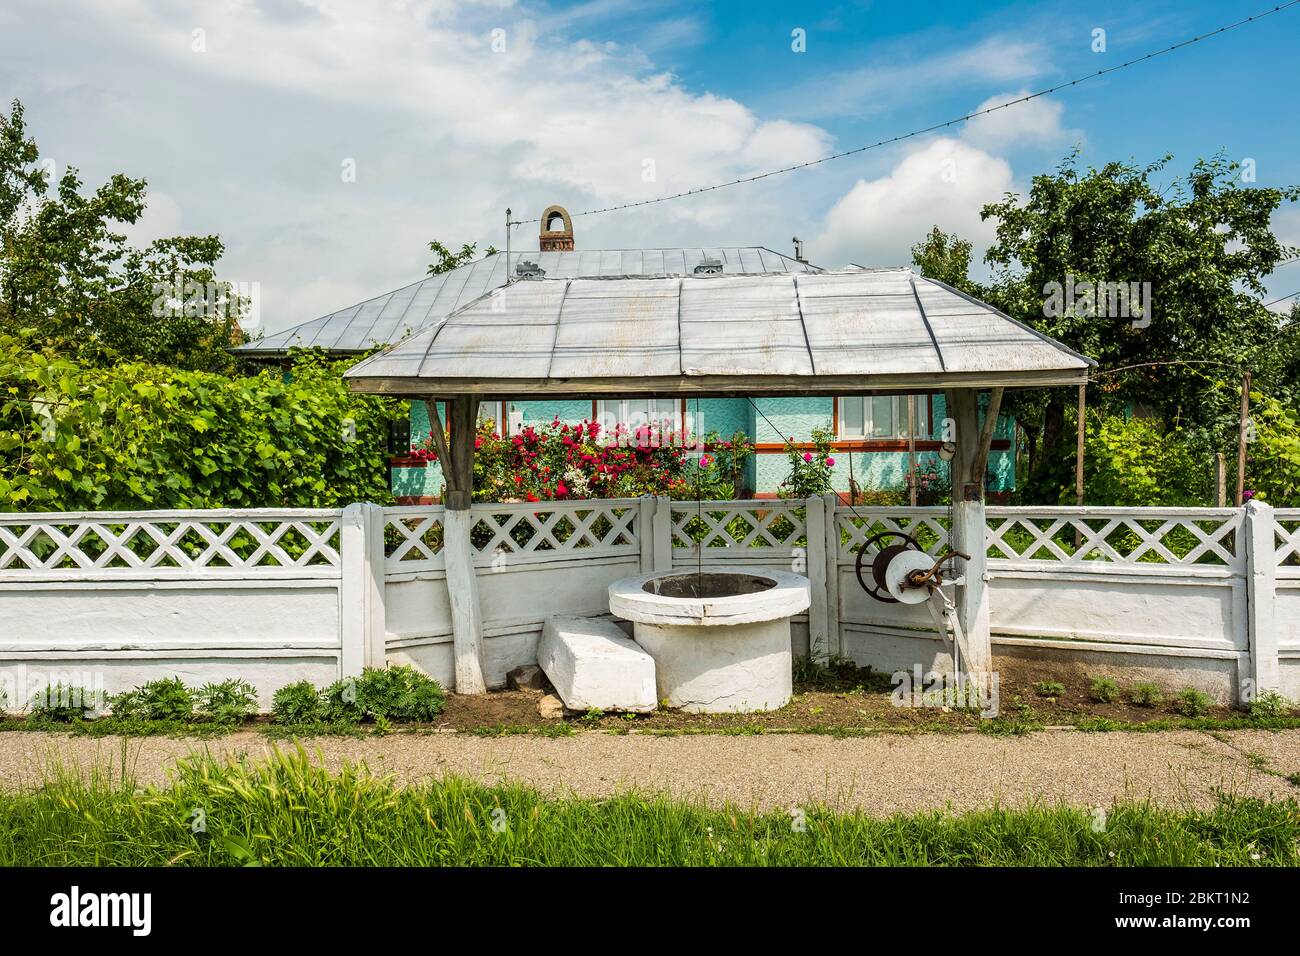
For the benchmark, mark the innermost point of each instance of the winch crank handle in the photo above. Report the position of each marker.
(918, 579)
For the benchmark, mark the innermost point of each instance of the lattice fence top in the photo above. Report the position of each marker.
(1097, 538)
(1286, 533)
(584, 528)
(739, 528)
(929, 526)
(413, 538)
(524, 532)
(170, 544)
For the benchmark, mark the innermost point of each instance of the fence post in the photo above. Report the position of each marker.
(663, 534)
(1261, 591)
(832, 548)
(819, 638)
(968, 534)
(354, 554)
(376, 619)
(645, 530)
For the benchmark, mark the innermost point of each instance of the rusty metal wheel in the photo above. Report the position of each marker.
(881, 561)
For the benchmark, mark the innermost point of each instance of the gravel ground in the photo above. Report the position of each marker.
(881, 775)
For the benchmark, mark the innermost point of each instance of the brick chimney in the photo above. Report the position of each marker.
(552, 239)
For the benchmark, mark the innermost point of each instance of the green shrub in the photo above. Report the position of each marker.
(1192, 703)
(392, 693)
(133, 435)
(341, 702)
(65, 703)
(1275, 453)
(399, 693)
(1146, 695)
(1049, 688)
(1269, 704)
(165, 699)
(297, 703)
(129, 705)
(1134, 461)
(228, 702)
(1104, 690)
(810, 471)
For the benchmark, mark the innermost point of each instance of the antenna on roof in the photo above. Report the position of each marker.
(798, 249)
(508, 225)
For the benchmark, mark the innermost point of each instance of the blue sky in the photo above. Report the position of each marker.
(245, 115)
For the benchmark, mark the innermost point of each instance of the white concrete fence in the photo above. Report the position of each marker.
(1187, 597)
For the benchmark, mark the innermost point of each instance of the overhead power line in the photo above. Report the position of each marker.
(937, 126)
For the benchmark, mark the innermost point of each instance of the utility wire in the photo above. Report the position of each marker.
(937, 126)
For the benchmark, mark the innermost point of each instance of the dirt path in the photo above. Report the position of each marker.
(882, 775)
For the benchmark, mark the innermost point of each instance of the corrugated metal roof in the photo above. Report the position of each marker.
(849, 330)
(388, 318)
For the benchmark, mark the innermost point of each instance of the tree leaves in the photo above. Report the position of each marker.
(68, 273)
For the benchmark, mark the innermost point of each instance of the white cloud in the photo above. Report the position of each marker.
(943, 182)
(898, 76)
(1036, 122)
(249, 134)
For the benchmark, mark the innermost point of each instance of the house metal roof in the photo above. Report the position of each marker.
(388, 318)
(841, 332)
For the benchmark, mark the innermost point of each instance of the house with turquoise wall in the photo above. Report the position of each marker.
(870, 444)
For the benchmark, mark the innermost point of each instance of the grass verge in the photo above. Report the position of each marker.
(289, 811)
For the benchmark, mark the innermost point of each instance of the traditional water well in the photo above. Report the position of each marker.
(720, 637)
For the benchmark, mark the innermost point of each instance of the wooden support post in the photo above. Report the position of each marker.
(1078, 458)
(1241, 438)
(911, 448)
(1078, 448)
(1220, 480)
(456, 454)
(819, 638)
(968, 527)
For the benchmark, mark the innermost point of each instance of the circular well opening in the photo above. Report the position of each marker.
(708, 585)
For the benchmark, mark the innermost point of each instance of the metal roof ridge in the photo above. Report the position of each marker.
(559, 317)
(943, 365)
(1089, 362)
(807, 342)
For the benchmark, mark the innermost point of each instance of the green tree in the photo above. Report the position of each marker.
(449, 259)
(946, 257)
(1205, 245)
(69, 274)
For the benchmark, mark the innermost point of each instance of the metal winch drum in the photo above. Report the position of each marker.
(903, 573)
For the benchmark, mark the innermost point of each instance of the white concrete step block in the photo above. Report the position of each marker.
(592, 663)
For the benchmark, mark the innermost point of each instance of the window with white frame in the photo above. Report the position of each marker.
(633, 413)
(490, 411)
(864, 417)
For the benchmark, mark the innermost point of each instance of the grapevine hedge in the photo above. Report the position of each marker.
(138, 436)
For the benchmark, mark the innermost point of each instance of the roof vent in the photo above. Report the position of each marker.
(525, 269)
(557, 230)
(709, 266)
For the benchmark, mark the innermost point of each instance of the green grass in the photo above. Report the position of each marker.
(288, 811)
(117, 727)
